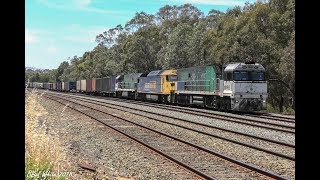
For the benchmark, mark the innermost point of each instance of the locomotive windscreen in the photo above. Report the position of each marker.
(248, 76)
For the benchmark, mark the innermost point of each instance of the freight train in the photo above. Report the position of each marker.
(232, 87)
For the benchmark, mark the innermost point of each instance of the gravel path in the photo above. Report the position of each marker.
(113, 155)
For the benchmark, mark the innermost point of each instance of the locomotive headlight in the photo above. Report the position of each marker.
(237, 101)
(264, 101)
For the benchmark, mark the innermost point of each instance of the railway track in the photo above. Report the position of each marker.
(262, 122)
(111, 105)
(272, 117)
(283, 127)
(266, 116)
(204, 162)
(287, 128)
(198, 131)
(262, 117)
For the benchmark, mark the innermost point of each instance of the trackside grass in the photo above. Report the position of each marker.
(44, 155)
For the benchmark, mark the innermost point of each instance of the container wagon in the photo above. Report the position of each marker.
(109, 85)
(89, 86)
(78, 87)
(83, 86)
(99, 86)
(63, 88)
(93, 85)
(54, 86)
(70, 86)
(59, 86)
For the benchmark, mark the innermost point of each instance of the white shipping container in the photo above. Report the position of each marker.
(40, 85)
(83, 85)
(78, 86)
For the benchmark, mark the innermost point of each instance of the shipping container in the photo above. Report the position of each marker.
(78, 88)
(39, 85)
(89, 85)
(66, 86)
(99, 85)
(72, 85)
(83, 85)
(94, 89)
(108, 84)
(59, 86)
(63, 86)
(46, 85)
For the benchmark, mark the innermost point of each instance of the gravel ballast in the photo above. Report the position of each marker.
(264, 160)
(111, 154)
(258, 158)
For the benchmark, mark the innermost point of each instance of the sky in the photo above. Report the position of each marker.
(58, 29)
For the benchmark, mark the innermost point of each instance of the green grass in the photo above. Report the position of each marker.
(34, 170)
(286, 110)
(41, 171)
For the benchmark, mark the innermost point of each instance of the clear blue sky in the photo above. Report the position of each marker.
(58, 29)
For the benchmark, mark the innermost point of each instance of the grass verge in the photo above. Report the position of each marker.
(44, 155)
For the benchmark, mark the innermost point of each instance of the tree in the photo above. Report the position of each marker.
(182, 36)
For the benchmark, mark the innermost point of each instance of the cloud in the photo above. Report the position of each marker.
(29, 37)
(34, 35)
(84, 2)
(51, 49)
(77, 33)
(212, 2)
(80, 5)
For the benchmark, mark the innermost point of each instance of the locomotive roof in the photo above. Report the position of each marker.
(162, 72)
(155, 73)
(243, 66)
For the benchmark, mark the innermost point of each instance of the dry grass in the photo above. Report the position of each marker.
(43, 152)
(44, 155)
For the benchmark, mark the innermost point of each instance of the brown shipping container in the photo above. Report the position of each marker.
(89, 85)
(94, 85)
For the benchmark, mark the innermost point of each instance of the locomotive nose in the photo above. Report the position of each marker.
(252, 103)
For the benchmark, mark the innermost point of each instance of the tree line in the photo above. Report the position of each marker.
(183, 36)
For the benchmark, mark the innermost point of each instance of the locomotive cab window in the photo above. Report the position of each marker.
(248, 76)
(257, 76)
(228, 76)
(240, 76)
(171, 77)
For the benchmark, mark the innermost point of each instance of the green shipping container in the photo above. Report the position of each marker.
(200, 78)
